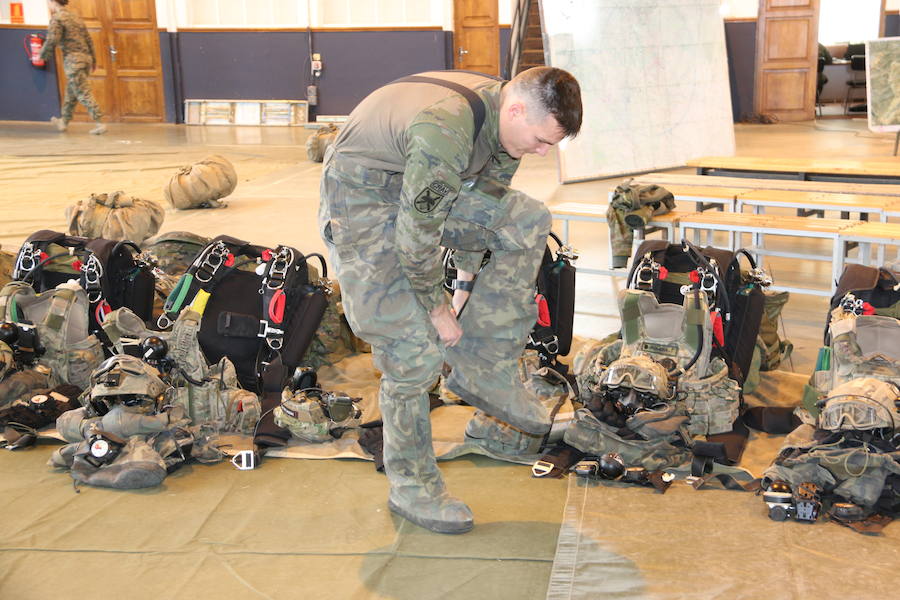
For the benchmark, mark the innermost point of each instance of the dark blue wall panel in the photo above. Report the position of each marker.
(740, 44)
(891, 25)
(505, 35)
(275, 65)
(358, 62)
(165, 50)
(26, 93)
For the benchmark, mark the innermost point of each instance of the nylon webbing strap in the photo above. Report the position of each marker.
(475, 102)
(631, 315)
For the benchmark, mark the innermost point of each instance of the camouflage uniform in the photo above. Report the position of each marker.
(68, 31)
(403, 179)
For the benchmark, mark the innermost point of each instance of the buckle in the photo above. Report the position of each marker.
(213, 260)
(26, 261)
(245, 460)
(272, 335)
(552, 345)
(541, 468)
(278, 268)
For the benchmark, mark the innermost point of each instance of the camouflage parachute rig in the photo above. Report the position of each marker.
(126, 435)
(846, 464)
(258, 307)
(663, 393)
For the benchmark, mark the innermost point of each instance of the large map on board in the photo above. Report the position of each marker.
(654, 80)
(883, 82)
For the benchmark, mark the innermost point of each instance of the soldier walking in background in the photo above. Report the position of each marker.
(426, 162)
(68, 31)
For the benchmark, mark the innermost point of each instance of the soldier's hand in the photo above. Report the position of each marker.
(444, 321)
(460, 297)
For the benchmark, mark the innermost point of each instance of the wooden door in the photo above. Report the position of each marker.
(476, 36)
(786, 53)
(128, 80)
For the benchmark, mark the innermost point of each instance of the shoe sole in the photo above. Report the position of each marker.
(435, 526)
(532, 427)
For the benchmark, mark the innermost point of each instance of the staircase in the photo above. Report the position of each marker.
(527, 42)
(532, 42)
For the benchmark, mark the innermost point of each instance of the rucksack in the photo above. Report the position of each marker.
(258, 305)
(106, 269)
(175, 250)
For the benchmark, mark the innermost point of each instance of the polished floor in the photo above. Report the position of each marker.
(295, 528)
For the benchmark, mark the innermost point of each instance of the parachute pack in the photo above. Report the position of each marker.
(107, 270)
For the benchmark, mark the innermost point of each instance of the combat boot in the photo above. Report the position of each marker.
(494, 386)
(60, 124)
(418, 493)
(99, 129)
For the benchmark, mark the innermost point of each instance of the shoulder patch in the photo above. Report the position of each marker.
(430, 197)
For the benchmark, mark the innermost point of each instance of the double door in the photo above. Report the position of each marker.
(127, 83)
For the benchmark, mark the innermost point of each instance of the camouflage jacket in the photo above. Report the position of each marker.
(68, 31)
(425, 131)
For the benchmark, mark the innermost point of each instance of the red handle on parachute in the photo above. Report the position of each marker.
(543, 310)
(276, 306)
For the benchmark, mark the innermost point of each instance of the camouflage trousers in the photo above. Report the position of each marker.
(78, 89)
(357, 221)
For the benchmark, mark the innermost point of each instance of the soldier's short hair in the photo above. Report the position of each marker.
(62, 2)
(552, 91)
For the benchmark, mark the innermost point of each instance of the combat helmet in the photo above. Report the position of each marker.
(127, 380)
(860, 404)
(637, 381)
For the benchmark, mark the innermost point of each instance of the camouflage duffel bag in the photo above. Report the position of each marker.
(318, 143)
(115, 216)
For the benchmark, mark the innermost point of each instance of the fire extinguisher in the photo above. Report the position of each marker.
(34, 43)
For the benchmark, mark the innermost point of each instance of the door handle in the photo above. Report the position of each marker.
(461, 52)
(113, 52)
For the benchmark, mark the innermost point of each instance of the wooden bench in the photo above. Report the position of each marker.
(811, 169)
(789, 226)
(567, 212)
(867, 234)
(863, 189)
(809, 202)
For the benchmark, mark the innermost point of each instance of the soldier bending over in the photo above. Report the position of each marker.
(425, 162)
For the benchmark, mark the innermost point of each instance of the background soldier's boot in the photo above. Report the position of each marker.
(60, 124)
(417, 492)
(99, 129)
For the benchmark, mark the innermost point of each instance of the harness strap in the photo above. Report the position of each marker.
(474, 100)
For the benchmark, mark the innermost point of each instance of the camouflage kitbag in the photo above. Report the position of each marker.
(318, 142)
(115, 216)
(175, 250)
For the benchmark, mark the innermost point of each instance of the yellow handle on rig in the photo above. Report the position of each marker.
(198, 305)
